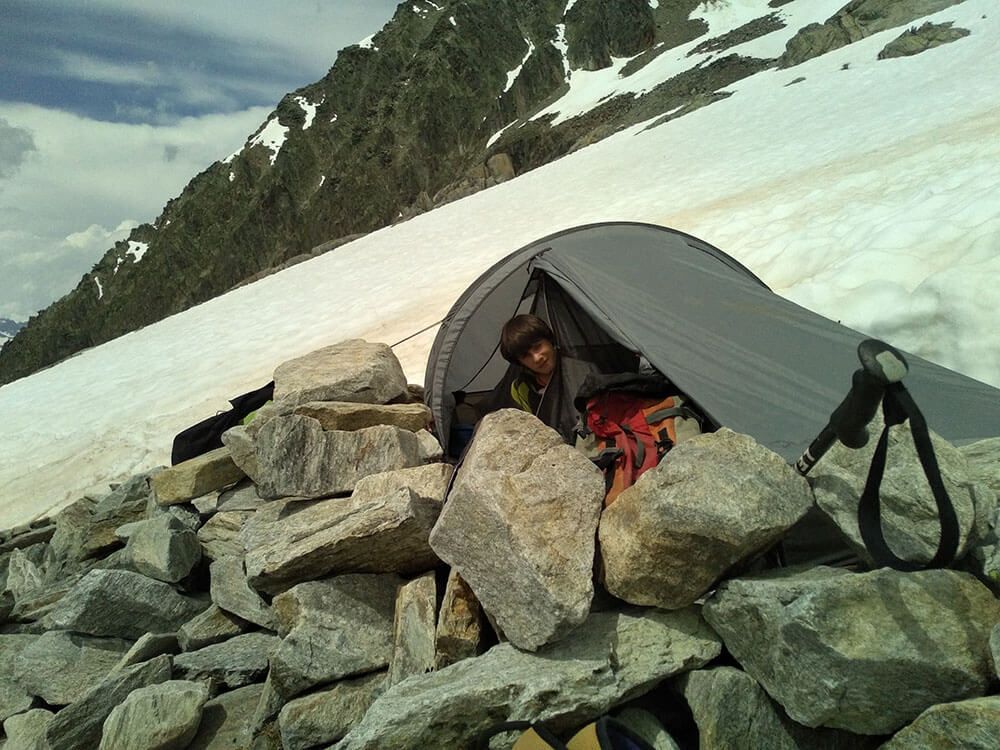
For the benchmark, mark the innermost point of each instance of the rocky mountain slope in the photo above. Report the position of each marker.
(439, 104)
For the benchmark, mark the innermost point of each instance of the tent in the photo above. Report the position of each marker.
(752, 361)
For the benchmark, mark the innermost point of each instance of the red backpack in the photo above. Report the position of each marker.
(633, 429)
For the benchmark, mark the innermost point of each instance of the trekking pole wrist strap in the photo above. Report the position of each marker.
(898, 406)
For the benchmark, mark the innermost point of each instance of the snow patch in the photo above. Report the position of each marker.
(569, 4)
(322, 179)
(137, 250)
(232, 176)
(309, 108)
(513, 74)
(496, 136)
(334, 118)
(433, 5)
(272, 137)
(451, 20)
(100, 289)
(368, 43)
(654, 4)
(562, 45)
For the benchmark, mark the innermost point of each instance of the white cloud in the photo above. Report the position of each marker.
(57, 212)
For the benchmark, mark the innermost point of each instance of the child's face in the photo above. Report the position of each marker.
(540, 360)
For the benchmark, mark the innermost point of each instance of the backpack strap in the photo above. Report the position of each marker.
(898, 405)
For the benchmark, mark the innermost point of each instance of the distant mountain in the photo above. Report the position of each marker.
(8, 328)
(445, 100)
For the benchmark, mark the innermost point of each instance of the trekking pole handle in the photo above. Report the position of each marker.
(881, 365)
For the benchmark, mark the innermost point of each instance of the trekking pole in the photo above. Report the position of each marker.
(881, 366)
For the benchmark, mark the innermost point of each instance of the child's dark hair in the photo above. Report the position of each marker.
(522, 332)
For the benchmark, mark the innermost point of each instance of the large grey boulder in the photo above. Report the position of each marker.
(26, 731)
(382, 528)
(326, 715)
(914, 40)
(909, 512)
(163, 548)
(459, 628)
(60, 667)
(95, 605)
(519, 527)
(331, 629)
(611, 658)
(156, 717)
(225, 719)
(78, 727)
(295, 456)
(233, 663)
(231, 591)
(87, 528)
(732, 711)
(413, 629)
(239, 440)
(196, 477)
(827, 643)
(715, 501)
(353, 370)
(970, 725)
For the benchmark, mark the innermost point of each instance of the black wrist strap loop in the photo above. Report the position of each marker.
(898, 406)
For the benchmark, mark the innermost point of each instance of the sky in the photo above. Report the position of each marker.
(109, 107)
(866, 192)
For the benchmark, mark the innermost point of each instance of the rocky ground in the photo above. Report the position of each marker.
(309, 586)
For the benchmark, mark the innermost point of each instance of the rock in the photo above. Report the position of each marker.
(715, 501)
(220, 536)
(95, 605)
(913, 41)
(156, 717)
(14, 698)
(519, 527)
(78, 727)
(995, 648)
(224, 720)
(231, 592)
(242, 449)
(855, 634)
(295, 456)
(353, 370)
(27, 731)
(501, 167)
(413, 629)
(242, 496)
(984, 461)
(327, 715)
(343, 415)
(647, 726)
(61, 667)
(163, 548)
(147, 647)
(234, 663)
(214, 625)
(732, 711)
(27, 538)
(335, 628)
(195, 477)
(612, 657)
(855, 21)
(382, 528)
(430, 448)
(460, 623)
(24, 577)
(970, 725)
(909, 512)
(87, 528)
